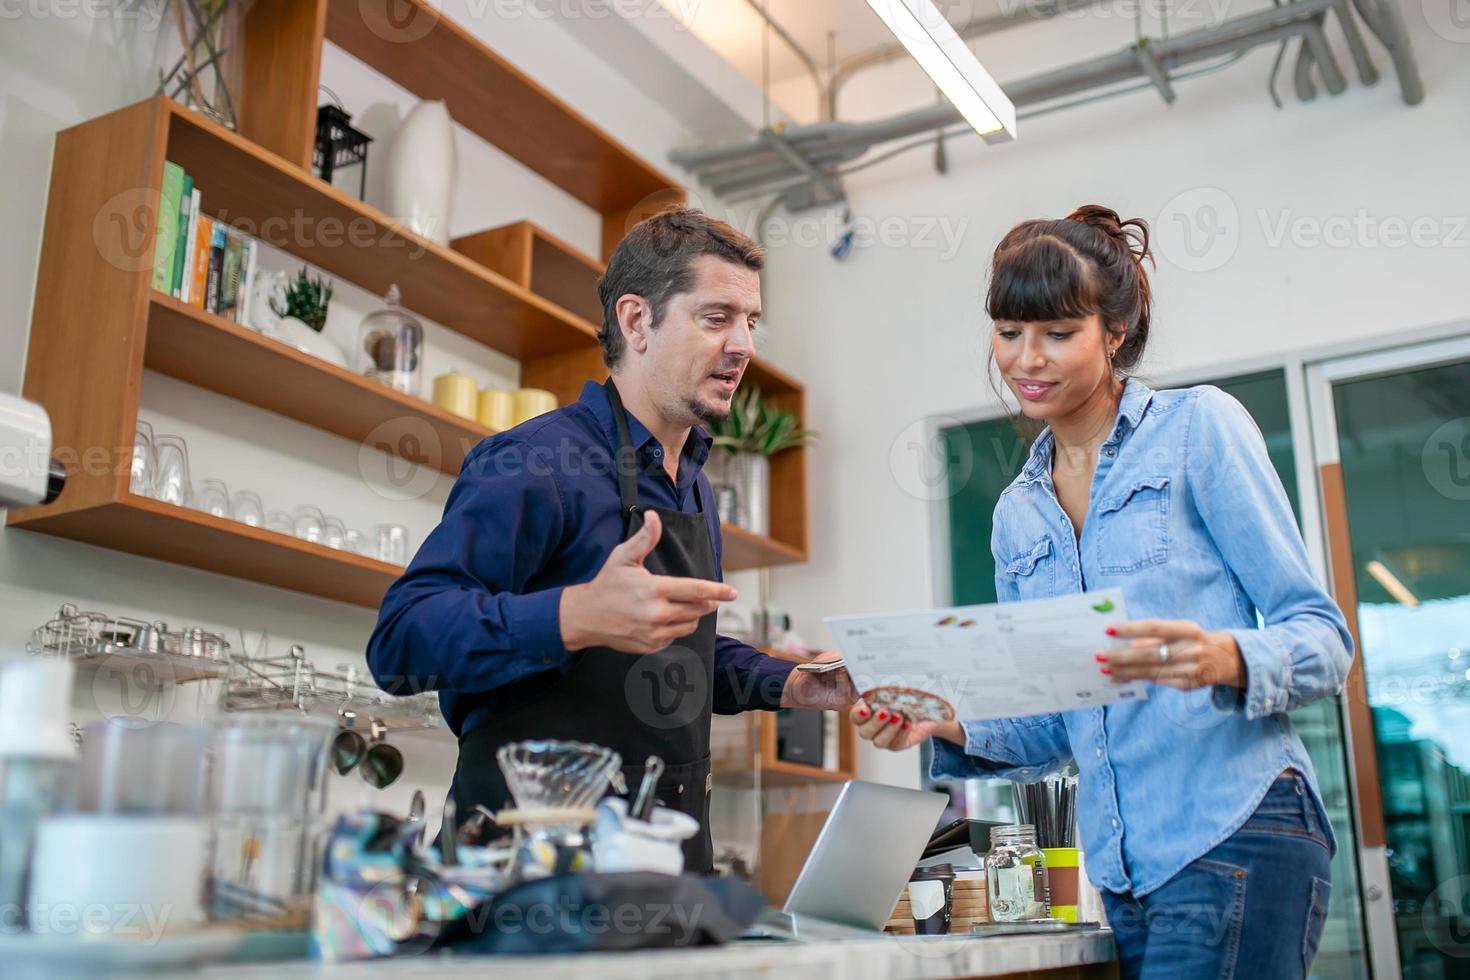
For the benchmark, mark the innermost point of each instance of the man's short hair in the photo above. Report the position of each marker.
(656, 261)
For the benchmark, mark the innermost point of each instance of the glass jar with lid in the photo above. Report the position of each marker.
(390, 346)
(1016, 881)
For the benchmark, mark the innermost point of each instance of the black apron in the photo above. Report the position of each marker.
(656, 704)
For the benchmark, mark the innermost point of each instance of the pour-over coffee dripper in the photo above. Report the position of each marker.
(556, 786)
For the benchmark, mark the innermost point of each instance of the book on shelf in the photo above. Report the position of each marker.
(199, 260)
(166, 230)
(181, 239)
(215, 269)
(209, 265)
(186, 274)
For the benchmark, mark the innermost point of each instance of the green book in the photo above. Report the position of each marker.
(166, 241)
(186, 205)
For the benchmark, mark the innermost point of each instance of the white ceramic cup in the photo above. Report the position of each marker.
(116, 876)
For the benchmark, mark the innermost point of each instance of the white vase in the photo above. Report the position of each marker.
(420, 171)
(303, 338)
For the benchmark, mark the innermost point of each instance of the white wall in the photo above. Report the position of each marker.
(59, 67)
(897, 333)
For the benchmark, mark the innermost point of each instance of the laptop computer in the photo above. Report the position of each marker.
(867, 849)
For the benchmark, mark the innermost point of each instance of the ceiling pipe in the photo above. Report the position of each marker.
(762, 166)
(811, 65)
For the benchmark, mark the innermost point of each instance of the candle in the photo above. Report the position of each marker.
(455, 392)
(497, 409)
(531, 402)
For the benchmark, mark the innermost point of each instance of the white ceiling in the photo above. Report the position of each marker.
(735, 31)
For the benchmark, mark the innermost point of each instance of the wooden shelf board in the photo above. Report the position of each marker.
(271, 199)
(427, 53)
(770, 379)
(203, 349)
(745, 550)
(154, 529)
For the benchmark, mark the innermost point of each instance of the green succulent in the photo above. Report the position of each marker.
(306, 300)
(754, 426)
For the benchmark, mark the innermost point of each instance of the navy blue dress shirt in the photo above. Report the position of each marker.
(476, 614)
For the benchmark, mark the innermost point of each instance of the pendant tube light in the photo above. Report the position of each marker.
(947, 60)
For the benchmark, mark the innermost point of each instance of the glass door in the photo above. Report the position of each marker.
(1393, 445)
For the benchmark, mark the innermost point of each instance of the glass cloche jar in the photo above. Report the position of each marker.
(390, 346)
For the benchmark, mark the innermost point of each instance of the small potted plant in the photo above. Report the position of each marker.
(753, 433)
(302, 307)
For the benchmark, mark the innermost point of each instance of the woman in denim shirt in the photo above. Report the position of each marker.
(1198, 808)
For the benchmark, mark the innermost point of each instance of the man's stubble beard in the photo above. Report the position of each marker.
(707, 414)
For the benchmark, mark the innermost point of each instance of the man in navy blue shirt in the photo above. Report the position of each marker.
(570, 590)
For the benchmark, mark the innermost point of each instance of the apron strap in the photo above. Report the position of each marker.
(624, 460)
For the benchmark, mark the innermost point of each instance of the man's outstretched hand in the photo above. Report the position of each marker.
(630, 609)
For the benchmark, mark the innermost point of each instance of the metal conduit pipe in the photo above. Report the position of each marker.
(761, 166)
(1047, 87)
(1301, 75)
(1367, 71)
(1386, 22)
(1316, 42)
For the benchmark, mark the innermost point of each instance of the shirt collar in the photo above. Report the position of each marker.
(696, 448)
(1136, 396)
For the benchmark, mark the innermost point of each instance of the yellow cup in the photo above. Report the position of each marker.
(1062, 876)
(455, 392)
(531, 402)
(497, 409)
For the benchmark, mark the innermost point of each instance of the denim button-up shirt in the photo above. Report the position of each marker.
(1189, 519)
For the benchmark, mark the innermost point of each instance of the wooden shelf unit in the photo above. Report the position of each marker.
(97, 323)
(209, 351)
(759, 737)
(154, 529)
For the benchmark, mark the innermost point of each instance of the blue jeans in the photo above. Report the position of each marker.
(1253, 907)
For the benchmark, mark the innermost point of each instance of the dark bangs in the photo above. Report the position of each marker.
(1037, 276)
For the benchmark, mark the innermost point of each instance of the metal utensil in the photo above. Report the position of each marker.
(643, 804)
(417, 806)
(447, 844)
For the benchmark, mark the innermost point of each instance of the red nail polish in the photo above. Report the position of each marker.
(1111, 631)
(863, 712)
(903, 726)
(882, 716)
(895, 719)
(1107, 670)
(1102, 658)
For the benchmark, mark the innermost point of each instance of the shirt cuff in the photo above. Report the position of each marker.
(1268, 673)
(983, 757)
(769, 675)
(533, 621)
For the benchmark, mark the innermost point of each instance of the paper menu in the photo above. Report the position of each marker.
(1002, 660)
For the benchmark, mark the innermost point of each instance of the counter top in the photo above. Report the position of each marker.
(878, 958)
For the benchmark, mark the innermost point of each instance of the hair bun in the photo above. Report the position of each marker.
(1131, 235)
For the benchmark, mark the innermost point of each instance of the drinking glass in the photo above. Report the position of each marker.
(308, 523)
(214, 498)
(392, 543)
(249, 509)
(357, 543)
(334, 533)
(171, 479)
(145, 462)
(280, 521)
